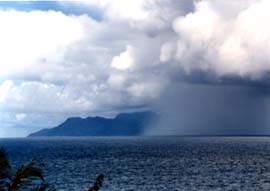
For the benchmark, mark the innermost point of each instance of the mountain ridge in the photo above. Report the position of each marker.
(123, 124)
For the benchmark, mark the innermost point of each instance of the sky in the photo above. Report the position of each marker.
(204, 65)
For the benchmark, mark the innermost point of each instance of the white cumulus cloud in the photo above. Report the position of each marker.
(211, 41)
(125, 60)
(31, 38)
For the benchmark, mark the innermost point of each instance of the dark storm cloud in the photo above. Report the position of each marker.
(200, 77)
(204, 109)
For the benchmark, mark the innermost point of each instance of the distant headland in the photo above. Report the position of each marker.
(124, 124)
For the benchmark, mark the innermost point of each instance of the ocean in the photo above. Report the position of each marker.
(149, 163)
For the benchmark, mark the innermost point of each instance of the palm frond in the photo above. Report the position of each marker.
(4, 164)
(98, 183)
(5, 169)
(25, 174)
(43, 187)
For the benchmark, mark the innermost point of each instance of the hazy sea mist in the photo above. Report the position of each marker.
(149, 163)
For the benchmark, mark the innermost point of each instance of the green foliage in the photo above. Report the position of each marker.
(43, 187)
(5, 170)
(98, 183)
(29, 175)
(24, 176)
(4, 164)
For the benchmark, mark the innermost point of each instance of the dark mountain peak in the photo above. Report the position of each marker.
(96, 118)
(124, 124)
(144, 114)
(72, 119)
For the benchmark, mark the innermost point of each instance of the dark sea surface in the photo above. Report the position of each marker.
(149, 163)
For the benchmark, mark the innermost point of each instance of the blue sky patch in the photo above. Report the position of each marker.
(67, 8)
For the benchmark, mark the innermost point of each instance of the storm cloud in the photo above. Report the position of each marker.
(207, 109)
(178, 58)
